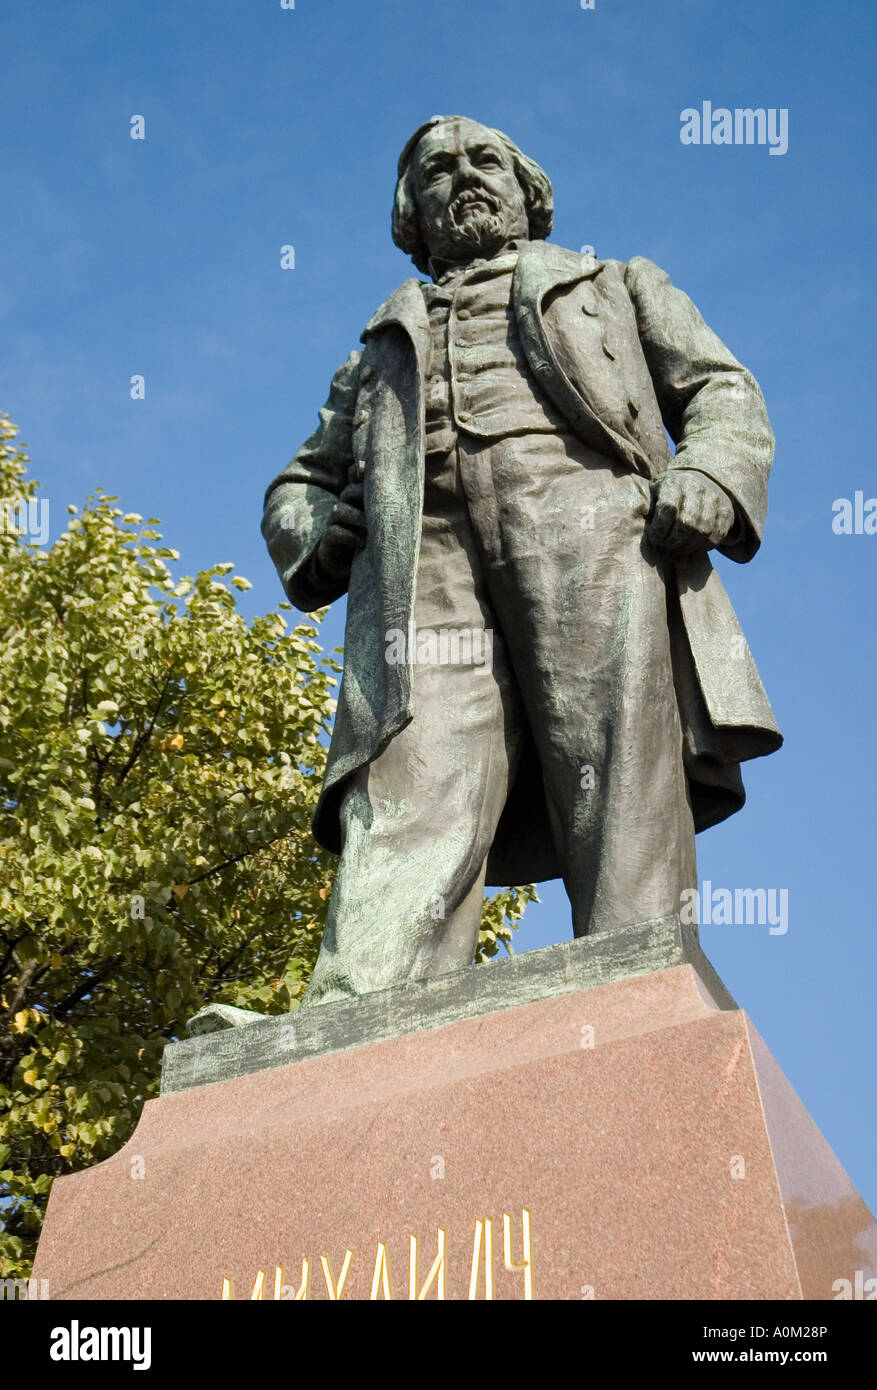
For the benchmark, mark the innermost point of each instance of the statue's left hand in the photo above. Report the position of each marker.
(690, 512)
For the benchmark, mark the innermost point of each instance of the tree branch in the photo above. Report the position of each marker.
(31, 974)
(218, 868)
(87, 986)
(142, 739)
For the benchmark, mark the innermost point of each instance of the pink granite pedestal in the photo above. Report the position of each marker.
(652, 1142)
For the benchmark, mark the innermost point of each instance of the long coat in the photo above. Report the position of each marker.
(627, 359)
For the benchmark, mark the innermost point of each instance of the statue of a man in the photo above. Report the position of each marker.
(543, 675)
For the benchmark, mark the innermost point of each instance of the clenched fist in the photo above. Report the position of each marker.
(344, 535)
(689, 512)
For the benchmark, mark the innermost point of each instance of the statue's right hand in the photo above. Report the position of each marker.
(345, 534)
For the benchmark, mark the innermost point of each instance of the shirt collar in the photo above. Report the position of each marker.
(445, 272)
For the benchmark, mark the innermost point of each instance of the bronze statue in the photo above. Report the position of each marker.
(543, 674)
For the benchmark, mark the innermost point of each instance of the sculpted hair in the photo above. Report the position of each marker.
(535, 185)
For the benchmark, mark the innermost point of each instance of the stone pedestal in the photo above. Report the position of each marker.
(607, 1131)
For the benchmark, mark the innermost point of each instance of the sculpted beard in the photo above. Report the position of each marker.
(476, 220)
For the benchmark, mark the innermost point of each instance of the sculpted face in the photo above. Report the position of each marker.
(468, 197)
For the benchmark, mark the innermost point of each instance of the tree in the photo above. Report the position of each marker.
(160, 759)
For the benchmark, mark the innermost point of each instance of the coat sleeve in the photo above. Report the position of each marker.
(299, 502)
(711, 405)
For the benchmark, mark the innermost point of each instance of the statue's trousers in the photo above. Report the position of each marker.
(540, 619)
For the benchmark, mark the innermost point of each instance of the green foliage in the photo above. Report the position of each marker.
(160, 759)
(500, 917)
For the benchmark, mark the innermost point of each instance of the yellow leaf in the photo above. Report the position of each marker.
(56, 961)
(19, 1023)
(30, 1076)
(180, 890)
(66, 1150)
(324, 893)
(172, 741)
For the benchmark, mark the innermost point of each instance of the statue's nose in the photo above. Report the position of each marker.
(465, 172)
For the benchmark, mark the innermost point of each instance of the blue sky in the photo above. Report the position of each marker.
(267, 126)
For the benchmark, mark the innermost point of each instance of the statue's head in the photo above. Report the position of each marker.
(464, 191)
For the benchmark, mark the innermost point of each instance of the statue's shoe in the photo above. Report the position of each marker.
(217, 1017)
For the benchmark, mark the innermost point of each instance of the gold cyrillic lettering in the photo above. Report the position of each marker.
(487, 1228)
(334, 1289)
(525, 1265)
(436, 1274)
(382, 1273)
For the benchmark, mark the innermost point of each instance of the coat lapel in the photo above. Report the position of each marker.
(540, 269)
(405, 308)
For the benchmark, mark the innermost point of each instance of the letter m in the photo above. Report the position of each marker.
(117, 1338)
(460, 646)
(14, 1289)
(745, 901)
(744, 125)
